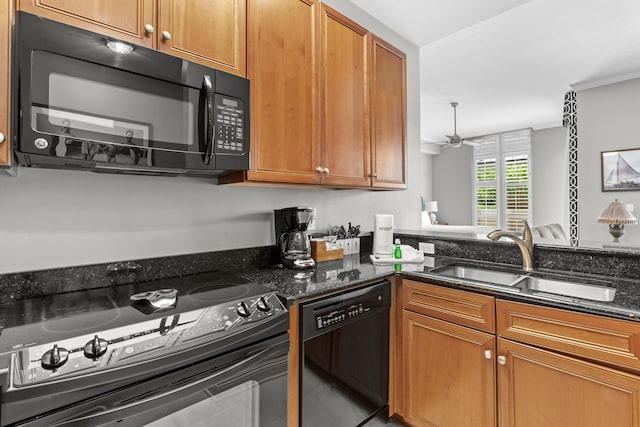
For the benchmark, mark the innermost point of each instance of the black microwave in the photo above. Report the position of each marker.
(87, 101)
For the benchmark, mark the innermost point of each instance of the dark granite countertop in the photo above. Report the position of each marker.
(354, 271)
(260, 265)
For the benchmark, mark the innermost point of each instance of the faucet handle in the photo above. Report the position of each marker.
(527, 236)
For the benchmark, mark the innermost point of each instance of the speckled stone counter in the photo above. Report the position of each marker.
(603, 259)
(260, 265)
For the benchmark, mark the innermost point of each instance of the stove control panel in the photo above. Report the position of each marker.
(136, 342)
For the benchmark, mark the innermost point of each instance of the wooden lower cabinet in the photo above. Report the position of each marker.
(551, 367)
(542, 388)
(449, 373)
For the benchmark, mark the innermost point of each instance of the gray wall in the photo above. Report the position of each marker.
(549, 182)
(452, 182)
(608, 119)
(54, 218)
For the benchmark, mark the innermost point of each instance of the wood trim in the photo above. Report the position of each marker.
(612, 341)
(6, 30)
(396, 355)
(461, 307)
(293, 397)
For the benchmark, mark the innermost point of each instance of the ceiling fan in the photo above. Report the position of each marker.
(454, 140)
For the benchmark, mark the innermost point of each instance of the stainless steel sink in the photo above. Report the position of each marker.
(595, 292)
(478, 275)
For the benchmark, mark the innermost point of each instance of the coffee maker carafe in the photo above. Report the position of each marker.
(291, 236)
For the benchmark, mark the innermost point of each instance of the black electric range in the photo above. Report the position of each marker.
(80, 344)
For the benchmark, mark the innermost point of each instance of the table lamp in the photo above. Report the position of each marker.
(616, 215)
(432, 208)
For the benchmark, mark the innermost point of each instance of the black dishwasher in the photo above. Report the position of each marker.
(344, 354)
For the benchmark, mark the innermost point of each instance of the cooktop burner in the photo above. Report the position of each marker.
(101, 328)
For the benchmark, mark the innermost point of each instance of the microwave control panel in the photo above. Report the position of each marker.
(230, 123)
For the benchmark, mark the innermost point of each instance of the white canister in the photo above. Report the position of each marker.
(383, 234)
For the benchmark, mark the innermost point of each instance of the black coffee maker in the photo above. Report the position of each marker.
(291, 236)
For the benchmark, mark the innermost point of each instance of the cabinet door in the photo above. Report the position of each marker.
(283, 69)
(541, 388)
(122, 19)
(388, 115)
(6, 12)
(449, 374)
(346, 155)
(211, 32)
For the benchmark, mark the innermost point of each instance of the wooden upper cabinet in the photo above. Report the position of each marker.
(346, 158)
(283, 69)
(6, 12)
(122, 19)
(388, 115)
(210, 32)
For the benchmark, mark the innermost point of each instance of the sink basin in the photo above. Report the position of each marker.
(601, 292)
(477, 274)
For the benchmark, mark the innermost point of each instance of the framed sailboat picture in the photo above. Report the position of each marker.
(621, 170)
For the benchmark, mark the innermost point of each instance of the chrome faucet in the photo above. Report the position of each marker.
(525, 244)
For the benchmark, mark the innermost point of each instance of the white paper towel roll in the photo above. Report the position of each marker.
(383, 234)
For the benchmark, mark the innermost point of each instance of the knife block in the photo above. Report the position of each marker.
(320, 253)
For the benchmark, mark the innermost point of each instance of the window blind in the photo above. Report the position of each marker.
(502, 183)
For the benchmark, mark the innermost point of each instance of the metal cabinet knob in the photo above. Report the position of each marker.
(2, 138)
(166, 35)
(326, 170)
(375, 175)
(319, 169)
(502, 360)
(148, 29)
(488, 354)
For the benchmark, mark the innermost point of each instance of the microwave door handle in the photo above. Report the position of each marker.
(207, 113)
(149, 403)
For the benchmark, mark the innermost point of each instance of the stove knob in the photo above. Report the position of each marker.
(263, 305)
(243, 309)
(95, 348)
(54, 358)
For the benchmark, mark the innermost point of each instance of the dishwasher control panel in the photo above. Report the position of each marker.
(347, 312)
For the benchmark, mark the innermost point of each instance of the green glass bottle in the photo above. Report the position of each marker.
(397, 254)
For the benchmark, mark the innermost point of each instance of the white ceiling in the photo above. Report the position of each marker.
(508, 63)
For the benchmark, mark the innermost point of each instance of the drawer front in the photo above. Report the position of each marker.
(613, 341)
(461, 307)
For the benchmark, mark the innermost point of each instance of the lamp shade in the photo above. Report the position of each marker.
(432, 206)
(616, 213)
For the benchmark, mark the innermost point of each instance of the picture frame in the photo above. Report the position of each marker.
(620, 170)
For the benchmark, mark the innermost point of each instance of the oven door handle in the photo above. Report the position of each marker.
(207, 118)
(149, 403)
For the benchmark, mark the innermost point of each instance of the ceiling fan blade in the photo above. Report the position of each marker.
(470, 142)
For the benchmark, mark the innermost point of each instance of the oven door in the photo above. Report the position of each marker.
(245, 388)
